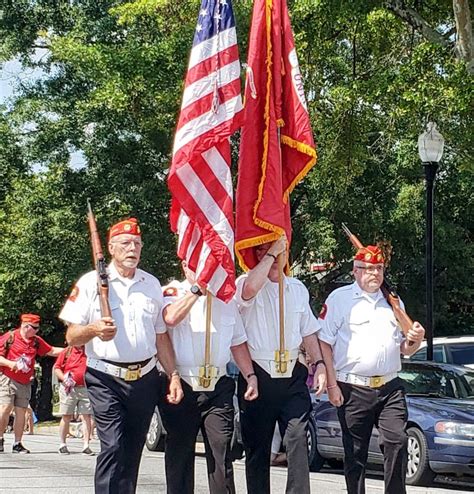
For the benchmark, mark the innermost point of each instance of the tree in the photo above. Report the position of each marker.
(373, 81)
(375, 72)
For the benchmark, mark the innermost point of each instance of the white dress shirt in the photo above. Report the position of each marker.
(188, 336)
(136, 306)
(363, 332)
(261, 317)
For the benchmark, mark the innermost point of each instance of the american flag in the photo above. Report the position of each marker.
(200, 180)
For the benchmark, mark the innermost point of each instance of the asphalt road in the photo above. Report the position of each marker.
(44, 471)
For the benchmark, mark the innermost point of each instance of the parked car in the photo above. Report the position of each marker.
(458, 350)
(440, 400)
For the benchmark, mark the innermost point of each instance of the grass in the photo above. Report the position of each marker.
(48, 423)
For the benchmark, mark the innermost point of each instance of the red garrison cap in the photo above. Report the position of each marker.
(129, 226)
(371, 254)
(30, 318)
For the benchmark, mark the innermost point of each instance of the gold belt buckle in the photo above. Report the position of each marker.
(206, 374)
(376, 382)
(133, 373)
(282, 358)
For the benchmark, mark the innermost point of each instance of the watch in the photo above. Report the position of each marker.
(196, 290)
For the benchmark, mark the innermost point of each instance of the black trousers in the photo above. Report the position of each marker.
(213, 413)
(122, 412)
(287, 401)
(385, 408)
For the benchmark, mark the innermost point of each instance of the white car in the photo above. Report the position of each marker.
(457, 350)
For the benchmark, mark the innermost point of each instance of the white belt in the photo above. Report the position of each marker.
(371, 382)
(266, 355)
(130, 373)
(191, 376)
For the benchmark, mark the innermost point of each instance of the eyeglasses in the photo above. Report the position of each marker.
(126, 244)
(371, 269)
(33, 327)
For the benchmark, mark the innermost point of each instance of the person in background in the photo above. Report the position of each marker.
(70, 368)
(18, 351)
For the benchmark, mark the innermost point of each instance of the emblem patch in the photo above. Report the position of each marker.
(170, 292)
(74, 294)
(323, 312)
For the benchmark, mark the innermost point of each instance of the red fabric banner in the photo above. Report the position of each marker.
(277, 147)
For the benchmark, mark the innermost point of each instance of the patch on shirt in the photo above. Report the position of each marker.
(74, 294)
(323, 312)
(170, 292)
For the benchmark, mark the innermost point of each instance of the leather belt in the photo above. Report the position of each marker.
(371, 382)
(127, 364)
(130, 373)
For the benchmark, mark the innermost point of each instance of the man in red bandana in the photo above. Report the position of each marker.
(361, 344)
(122, 378)
(18, 351)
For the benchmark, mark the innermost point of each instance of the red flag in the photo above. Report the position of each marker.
(270, 165)
(200, 181)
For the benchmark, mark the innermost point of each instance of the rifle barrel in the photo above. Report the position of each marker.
(346, 230)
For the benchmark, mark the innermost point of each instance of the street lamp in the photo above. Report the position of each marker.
(430, 149)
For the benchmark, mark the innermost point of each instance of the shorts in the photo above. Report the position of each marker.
(14, 393)
(77, 398)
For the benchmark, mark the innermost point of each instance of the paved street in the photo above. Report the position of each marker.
(46, 472)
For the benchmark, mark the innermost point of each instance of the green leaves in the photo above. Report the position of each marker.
(112, 86)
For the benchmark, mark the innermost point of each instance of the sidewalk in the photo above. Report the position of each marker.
(51, 428)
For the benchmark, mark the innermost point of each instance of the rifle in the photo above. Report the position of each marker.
(100, 266)
(388, 291)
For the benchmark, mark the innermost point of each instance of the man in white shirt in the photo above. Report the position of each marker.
(207, 408)
(121, 377)
(361, 336)
(283, 397)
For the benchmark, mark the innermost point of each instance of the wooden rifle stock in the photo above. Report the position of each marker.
(388, 292)
(100, 265)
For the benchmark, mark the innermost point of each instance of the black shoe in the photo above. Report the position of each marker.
(87, 451)
(19, 448)
(2, 448)
(63, 450)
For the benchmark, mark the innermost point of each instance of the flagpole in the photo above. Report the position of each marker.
(282, 360)
(205, 374)
(282, 353)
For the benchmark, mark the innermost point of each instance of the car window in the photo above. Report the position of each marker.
(438, 353)
(419, 355)
(438, 382)
(461, 353)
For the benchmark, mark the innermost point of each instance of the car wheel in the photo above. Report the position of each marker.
(418, 469)
(315, 460)
(155, 438)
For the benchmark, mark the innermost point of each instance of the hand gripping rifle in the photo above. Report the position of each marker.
(388, 292)
(100, 266)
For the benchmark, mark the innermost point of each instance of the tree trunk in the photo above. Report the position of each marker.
(464, 43)
(45, 401)
(414, 19)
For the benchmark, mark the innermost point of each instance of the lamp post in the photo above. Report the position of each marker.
(430, 149)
